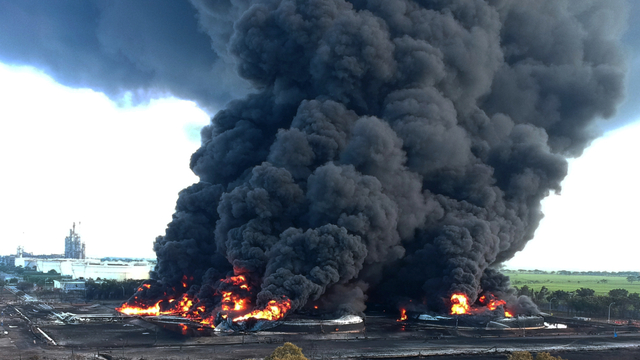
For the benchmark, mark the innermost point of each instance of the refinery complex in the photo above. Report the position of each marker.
(76, 265)
(55, 329)
(178, 324)
(368, 169)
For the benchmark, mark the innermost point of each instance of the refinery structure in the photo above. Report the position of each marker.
(75, 264)
(73, 245)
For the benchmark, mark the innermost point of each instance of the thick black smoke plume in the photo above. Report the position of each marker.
(394, 149)
(391, 149)
(144, 48)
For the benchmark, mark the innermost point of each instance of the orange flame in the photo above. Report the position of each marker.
(459, 304)
(185, 304)
(239, 280)
(239, 305)
(184, 281)
(231, 301)
(134, 310)
(191, 308)
(483, 299)
(273, 311)
(403, 315)
(184, 308)
(144, 286)
(492, 303)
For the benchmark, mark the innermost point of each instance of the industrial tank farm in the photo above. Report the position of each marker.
(60, 329)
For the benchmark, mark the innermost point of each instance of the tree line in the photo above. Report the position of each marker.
(585, 302)
(111, 289)
(567, 272)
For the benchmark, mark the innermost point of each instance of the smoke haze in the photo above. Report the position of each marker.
(389, 149)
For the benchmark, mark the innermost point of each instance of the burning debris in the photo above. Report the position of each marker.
(403, 315)
(487, 306)
(487, 320)
(486, 302)
(232, 304)
(392, 150)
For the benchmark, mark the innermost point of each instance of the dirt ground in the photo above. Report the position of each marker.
(316, 350)
(113, 337)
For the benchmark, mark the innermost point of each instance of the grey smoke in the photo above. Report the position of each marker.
(144, 48)
(391, 149)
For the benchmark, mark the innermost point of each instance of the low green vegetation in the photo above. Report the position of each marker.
(30, 275)
(288, 351)
(592, 294)
(553, 281)
(111, 289)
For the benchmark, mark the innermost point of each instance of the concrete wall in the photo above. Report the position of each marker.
(69, 285)
(91, 269)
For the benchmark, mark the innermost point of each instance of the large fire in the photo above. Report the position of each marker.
(235, 305)
(140, 310)
(182, 307)
(460, 305)
(273, 311)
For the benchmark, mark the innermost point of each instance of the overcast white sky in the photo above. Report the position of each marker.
(593, 224)
(74, 155)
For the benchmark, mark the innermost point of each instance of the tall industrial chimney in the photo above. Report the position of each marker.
(73, 245)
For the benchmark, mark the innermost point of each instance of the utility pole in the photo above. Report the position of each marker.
(609, 317)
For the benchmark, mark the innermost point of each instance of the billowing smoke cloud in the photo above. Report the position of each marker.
(391, 149)
(397, 147)
(141, 48)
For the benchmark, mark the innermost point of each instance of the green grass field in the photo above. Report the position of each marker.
(553, 282)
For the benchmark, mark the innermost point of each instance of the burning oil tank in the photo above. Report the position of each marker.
(294, 324)
(519, 322)
(346, 323)
(484, 321)
(297, 324)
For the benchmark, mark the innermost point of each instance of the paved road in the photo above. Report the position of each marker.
(567, 347)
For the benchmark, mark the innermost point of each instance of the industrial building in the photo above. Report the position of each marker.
(7, 260)
(74, 247)
(75, 264)
(90, 268)
(70, 285)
